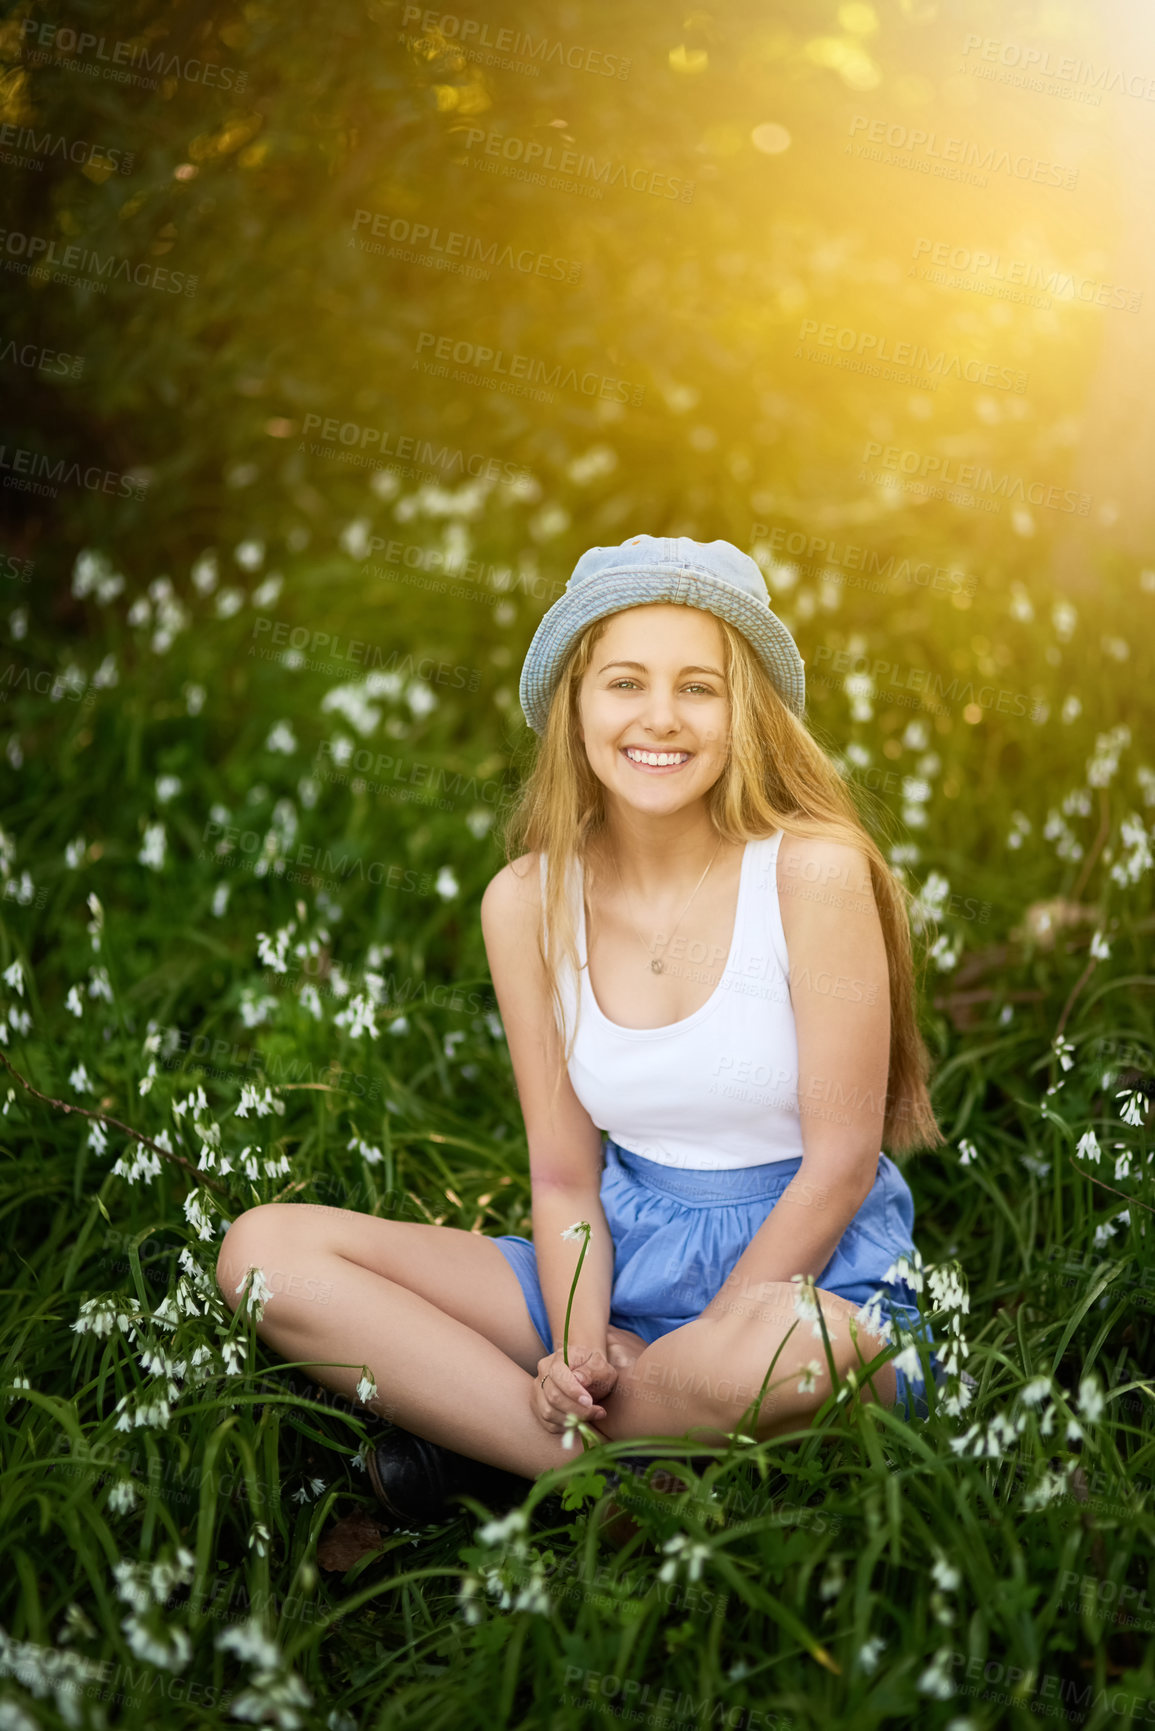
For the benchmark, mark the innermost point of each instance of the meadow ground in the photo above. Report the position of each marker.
(240, 915)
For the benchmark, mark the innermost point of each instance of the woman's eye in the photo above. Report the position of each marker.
(707, 690)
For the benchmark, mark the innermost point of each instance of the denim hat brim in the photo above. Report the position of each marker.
(616, 588)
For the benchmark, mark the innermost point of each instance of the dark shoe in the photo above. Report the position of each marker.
(415, 1480)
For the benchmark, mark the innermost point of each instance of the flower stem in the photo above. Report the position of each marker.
(584, 1228)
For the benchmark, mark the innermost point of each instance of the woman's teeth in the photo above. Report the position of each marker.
(656, 759)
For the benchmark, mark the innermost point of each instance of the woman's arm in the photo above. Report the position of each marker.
(840, 991)
(565, 1147)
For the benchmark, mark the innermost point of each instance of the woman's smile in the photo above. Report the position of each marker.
(655, 762)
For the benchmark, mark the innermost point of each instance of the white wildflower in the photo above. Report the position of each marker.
(123, 1496)
(936, 1679)
(358, 1017)
(811, 1371)
(204, 574)
(870, 1652)
(1132, 1110)
(805, 1304)
(249, 1642)
(152, 852)
(446, 885)
(372, 1156)
(1091, 1402)
(682, 1550)
(498, 1532)
(366, 1389)
(908, 1360)
(233, 1354)
(272, 951)
(250, 554)
(1064, 1051)
(99, 985)
(259, 1292)
(1088, 1146)
(282, 739)
(966, 1152)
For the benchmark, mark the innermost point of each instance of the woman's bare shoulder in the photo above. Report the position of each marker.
(514, 893)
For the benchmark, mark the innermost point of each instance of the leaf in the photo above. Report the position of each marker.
(353, 1537)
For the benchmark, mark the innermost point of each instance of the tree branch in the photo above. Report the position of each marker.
(103, 1118)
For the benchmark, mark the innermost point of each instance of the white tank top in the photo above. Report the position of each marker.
(719, 1089)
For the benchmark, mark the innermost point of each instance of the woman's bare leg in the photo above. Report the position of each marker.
(436, 1315)
(703, 1376)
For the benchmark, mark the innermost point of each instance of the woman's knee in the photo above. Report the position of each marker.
(257, 1238)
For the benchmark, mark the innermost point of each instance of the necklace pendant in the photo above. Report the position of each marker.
(656, 966)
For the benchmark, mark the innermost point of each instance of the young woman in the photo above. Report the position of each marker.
(701, 952)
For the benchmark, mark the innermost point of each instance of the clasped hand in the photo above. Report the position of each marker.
(579, 1387)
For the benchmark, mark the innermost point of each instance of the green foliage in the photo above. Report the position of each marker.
(261, 725)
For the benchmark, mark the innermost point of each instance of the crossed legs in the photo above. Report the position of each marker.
(437, 1318)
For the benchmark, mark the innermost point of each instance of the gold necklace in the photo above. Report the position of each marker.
(656, 964)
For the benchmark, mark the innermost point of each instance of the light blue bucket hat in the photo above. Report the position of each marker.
(712, 575)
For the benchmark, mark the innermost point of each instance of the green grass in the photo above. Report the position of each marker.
(811, 1553)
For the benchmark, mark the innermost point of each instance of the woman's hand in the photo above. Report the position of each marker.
(574, 1388)
(623, 1346)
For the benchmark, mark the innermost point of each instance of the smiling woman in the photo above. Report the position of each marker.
(718, 1124)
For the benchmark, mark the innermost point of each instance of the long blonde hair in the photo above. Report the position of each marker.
(777, 776)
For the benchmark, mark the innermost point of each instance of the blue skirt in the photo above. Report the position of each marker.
(678, 1231)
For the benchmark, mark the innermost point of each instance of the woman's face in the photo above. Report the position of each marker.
(653, 709)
